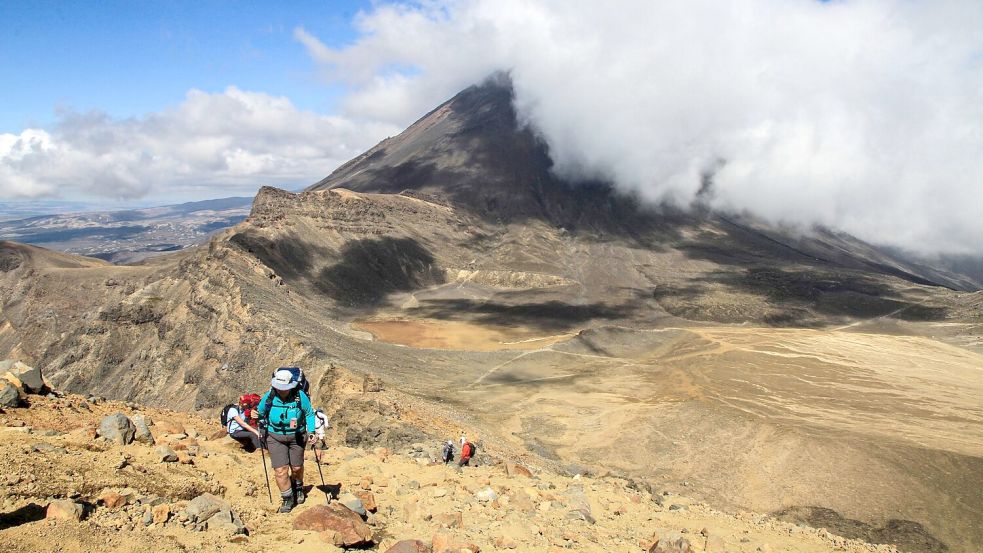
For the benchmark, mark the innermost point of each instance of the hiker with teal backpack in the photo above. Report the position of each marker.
(290, 424)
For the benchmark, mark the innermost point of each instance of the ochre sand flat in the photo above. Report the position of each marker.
(874, 426)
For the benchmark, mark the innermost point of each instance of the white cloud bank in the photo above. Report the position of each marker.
(209, 145)
(863, 115)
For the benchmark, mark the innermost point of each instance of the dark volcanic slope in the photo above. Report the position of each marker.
(471, 152)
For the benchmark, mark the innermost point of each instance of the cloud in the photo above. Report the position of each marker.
(862, 115)
(209, 145)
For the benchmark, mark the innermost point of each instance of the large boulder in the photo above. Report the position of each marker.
(25, 377)
(348, 527)
(64, 509)
(143, 433)
(117, 428)
(9, 396)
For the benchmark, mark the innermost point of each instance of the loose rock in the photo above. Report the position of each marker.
(117, 428)
(165, 454)
(64, 509)
(445, 543)
(203, 507)
(353, 503)
(143, 433)
(9, 396)
(410, 546)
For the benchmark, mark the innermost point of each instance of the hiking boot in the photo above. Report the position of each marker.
(288, 504)
(298, 488)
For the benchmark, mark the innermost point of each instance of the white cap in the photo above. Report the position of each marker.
(283, 380)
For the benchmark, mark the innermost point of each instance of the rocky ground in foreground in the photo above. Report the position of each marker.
(86, 474)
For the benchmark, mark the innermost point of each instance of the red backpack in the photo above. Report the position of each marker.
(248, 402)
(467, 450)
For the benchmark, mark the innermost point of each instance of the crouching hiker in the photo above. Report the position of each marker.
(289, 425)
(235, 419)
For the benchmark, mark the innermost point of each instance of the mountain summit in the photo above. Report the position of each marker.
(472, 151)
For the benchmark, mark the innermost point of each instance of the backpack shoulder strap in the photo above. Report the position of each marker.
(269, 404)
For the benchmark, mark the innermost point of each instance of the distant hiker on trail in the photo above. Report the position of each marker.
(235, 418)
(289, 425)
(448, 453)
(320, 425)
(467, 452)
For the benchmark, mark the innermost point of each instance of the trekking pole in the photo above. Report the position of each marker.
(324, 487)
(262, 454)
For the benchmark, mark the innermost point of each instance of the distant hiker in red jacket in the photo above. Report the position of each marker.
(467, 452)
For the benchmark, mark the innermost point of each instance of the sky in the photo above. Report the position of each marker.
(860, 115)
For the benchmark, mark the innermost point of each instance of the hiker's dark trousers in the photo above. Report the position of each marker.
(249, 441)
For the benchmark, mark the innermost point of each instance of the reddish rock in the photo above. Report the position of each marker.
(450, 520)
(517, 470)
(160, 513)
(337, 518)
(446, 543)
(218, 435)
(170, 427)
(111, 499)
(368, 501)
(409, 546)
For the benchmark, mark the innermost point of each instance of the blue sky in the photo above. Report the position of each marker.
(130, 58)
